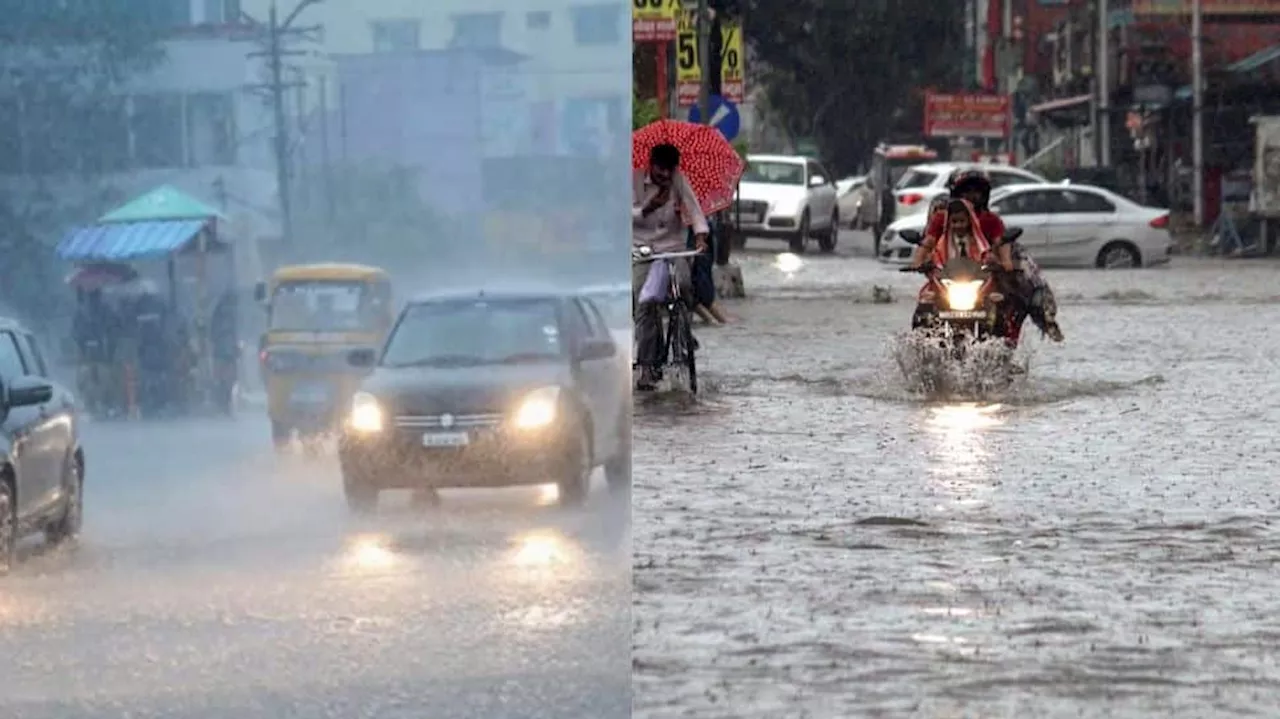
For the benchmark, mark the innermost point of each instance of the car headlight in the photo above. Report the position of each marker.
(366, 413)
(538, 409)
(962, 296)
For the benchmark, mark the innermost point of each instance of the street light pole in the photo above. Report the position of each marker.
(704, 59)
(1197, 110)
(1103, 64)
(276, 32)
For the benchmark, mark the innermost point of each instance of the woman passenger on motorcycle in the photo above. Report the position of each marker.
(973, 187)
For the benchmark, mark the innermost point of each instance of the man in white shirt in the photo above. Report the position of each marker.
(663, 208)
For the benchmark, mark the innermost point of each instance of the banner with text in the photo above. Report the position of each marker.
(654, 20)
(689, 64)
(966, 115)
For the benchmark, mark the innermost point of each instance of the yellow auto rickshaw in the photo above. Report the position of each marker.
(316, 315)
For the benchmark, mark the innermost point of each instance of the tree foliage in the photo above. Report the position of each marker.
(850, 73)
(61, 67)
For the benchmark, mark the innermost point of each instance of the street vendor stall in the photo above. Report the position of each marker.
(175, 240)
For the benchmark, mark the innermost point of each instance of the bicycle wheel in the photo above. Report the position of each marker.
(680, 346)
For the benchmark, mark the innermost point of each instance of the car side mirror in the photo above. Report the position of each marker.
(260, 292)
(26, 392)
(363, 358)
(817, 181)
(912, 236)
(597, 349)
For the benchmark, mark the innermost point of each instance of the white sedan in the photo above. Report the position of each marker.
(1065, 226)
(920, 184)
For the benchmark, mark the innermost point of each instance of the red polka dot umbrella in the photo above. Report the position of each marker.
(707, 160)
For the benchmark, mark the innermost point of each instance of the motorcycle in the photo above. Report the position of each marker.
(962, 302)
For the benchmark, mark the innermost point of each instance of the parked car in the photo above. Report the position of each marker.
(855, 200)
(42, 465)
(920, 184)
(1065, 226)
(787, 198)
(490, 390)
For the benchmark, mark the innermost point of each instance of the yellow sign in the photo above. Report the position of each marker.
(733, 63)
(689, 65)
(654, 20)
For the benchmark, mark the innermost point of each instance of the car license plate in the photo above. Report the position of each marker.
(445, 439)
(750, 218)
(310, 392)
(969, 315)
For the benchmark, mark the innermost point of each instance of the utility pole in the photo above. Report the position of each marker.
(274, 36)
(704, 58)
(1103, 64)
(1197, 110)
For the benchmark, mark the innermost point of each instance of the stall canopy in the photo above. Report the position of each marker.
(160, 223)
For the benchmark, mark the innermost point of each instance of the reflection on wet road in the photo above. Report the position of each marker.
(1101, 541)
(218, 580)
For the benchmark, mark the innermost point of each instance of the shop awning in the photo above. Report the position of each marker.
(1065, 103)
(125, 241)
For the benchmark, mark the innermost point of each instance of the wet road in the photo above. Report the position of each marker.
(215, 579)
(815, 540)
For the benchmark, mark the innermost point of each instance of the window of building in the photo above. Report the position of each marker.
(396, 35)
(537, 20)
(597, 24)
(158, 129)
(219, 12)
(103, 140)
(211, 129)
(477, 30)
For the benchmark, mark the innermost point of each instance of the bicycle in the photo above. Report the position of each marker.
(680, 350)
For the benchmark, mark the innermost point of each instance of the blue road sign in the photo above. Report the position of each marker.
(724, 116)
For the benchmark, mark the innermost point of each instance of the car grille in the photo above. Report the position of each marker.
(750, 207)
(461, 421)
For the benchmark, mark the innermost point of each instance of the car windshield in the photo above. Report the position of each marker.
(775, 173)
(615, 306)
(322, 306)
(913, 179)
(470, 332)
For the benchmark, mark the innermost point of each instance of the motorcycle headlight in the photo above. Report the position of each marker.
(538, 409)
(962, 296)
(366, 413)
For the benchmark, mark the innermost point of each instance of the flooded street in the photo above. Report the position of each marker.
(218, 580)
(815, 540)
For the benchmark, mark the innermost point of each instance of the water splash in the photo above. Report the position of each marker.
(933, 370)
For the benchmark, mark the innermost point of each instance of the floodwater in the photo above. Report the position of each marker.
(814, 540)
(216, 580)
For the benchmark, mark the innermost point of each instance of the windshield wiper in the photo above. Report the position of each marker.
(442, 361)
(528, 357)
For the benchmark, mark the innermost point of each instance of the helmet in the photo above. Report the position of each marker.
(967, 180)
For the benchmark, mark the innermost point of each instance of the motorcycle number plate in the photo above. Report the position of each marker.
(445, 439)
(310, 393)
(969, 315)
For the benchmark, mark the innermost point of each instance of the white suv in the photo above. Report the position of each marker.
(920, 184)
(787, 198)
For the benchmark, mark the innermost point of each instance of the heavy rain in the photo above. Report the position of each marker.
(218, 499)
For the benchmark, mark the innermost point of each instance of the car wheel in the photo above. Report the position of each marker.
(280, 435)
(617, 471)
(801, 236)
(1118, 254)
(575, 483)
(8, 525)
(67, 528)
(827, 241)
(362, 496)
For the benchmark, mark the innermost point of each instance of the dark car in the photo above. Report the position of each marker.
(490, 390)
(42, 465)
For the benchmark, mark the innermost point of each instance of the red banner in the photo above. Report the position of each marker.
(966, 115)
(1237, 8)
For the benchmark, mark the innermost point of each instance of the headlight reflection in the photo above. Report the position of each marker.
(961, 458)
(368, 554)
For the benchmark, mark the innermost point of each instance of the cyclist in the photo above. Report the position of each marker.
(663, 205)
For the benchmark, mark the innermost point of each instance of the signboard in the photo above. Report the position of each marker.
(1238, 8)
(689, 65)
(654, 20)
(1266, 169)
(724, 116)
(966, 115)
